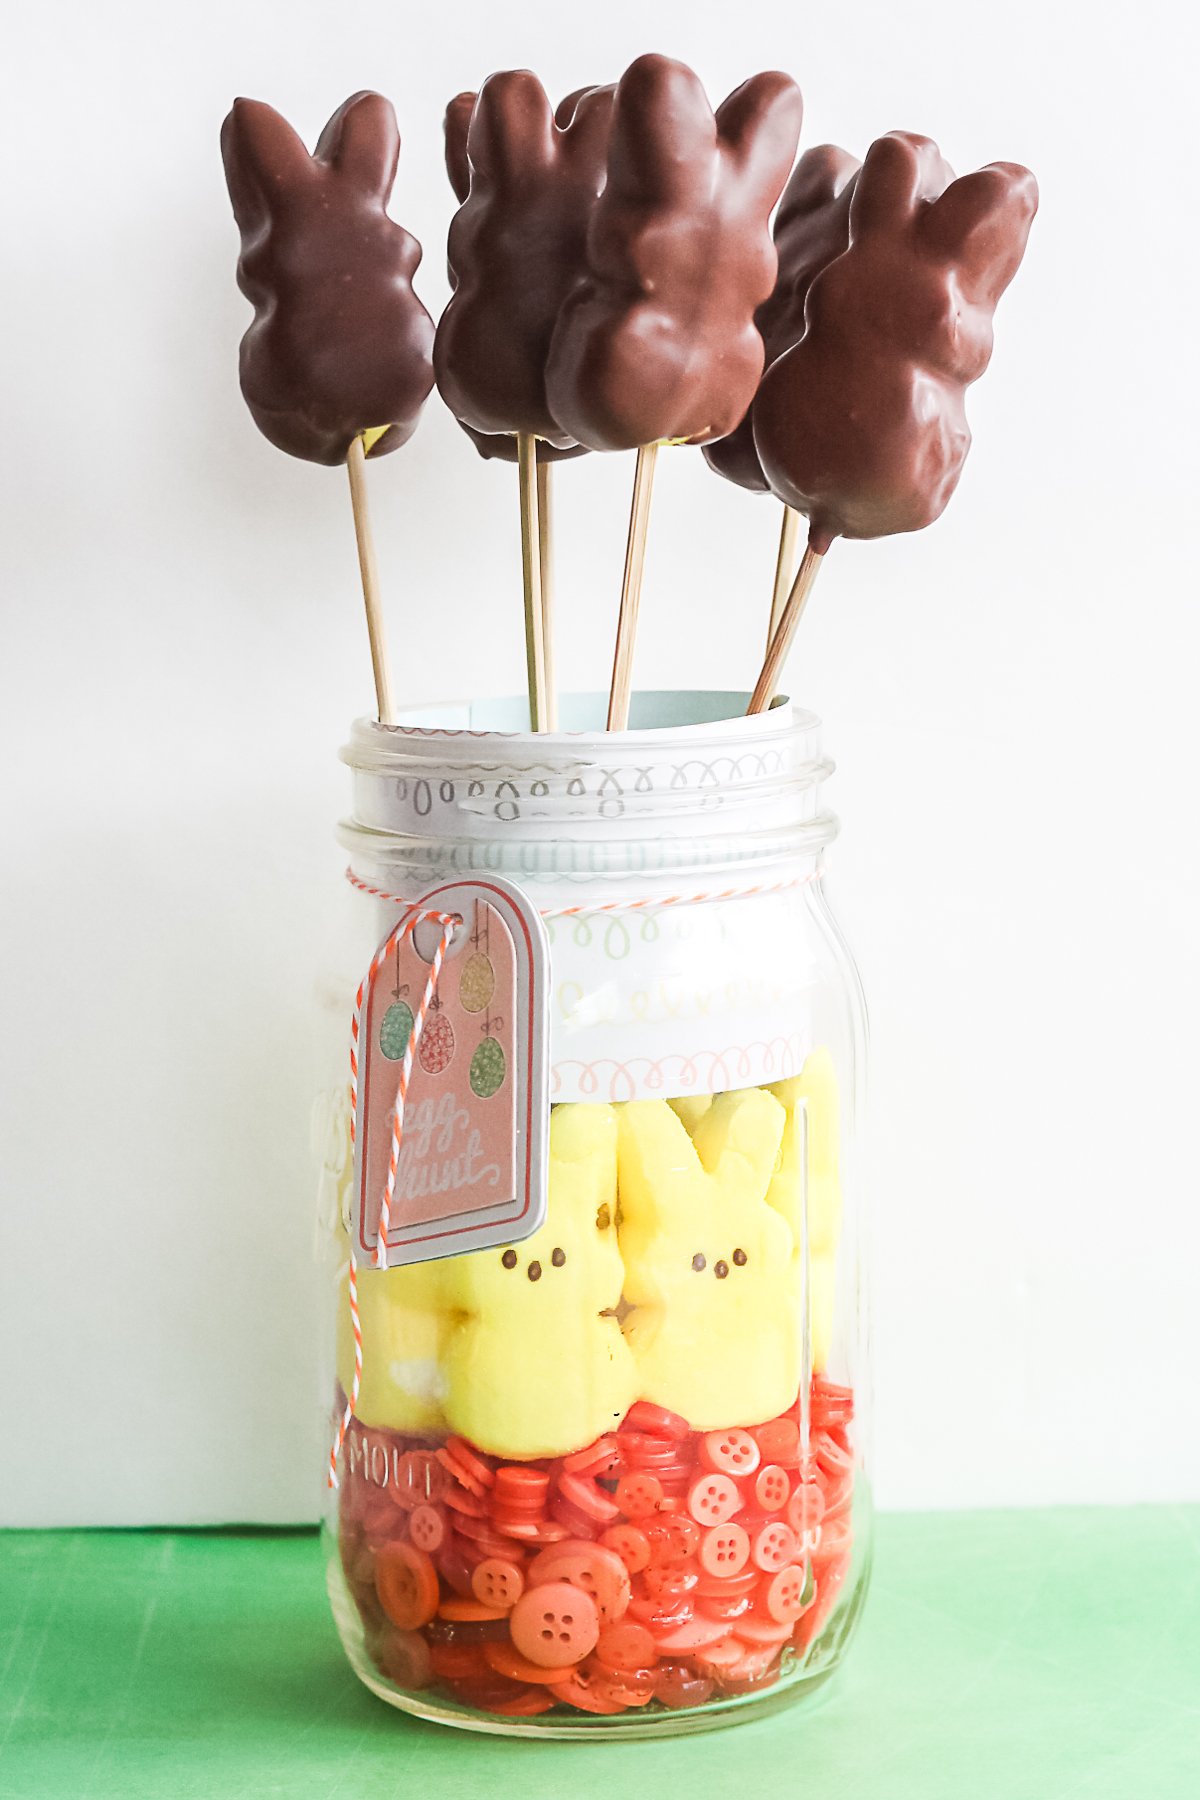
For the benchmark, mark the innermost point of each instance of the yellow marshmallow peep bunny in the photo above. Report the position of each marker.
(709, 1264)
(402, 1312)
(814, 1089)
(536, 1364)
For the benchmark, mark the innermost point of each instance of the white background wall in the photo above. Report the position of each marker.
(1010, 697)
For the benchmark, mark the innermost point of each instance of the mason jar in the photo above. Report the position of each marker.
(611, 1477)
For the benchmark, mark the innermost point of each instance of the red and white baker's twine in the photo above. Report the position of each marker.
(607, 906)
(404, 929)
(448, 921)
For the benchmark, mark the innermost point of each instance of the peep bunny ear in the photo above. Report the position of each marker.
(664, 134)
(760, 122)
(742, 1130)
(899, 171)
(982, 222)
(512, 127)
(361, 143)
(457, 124)
(263, 157)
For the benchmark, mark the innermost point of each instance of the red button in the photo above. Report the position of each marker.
(760, 1628)
(555, 1624)
(506, 1660)
(806, 1509)
(588, 1691)
(673, 1538)
(730, 1452)
(790, 1593)
(772, 1487)
(669, 1582)
(466, 1459)
(595, 1570)
(725, 1550)
(630, 1544)
(639, 1496)
(713, 1499)
(643, 1415)
(497, 1582)
(694, 1634)
(727, 1607)
(524, 1704)
(626, 1646)
(774, 1546)
(779, 1440)
(604, 1454)
(407, 1584)
(523, 1489)
(470, 1612)
(426, 1528)
(723, 1586)
(581, 1491)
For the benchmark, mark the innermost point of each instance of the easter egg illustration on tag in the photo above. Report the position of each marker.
(487, 1069)
(395, 1029)
(437, 1044)
(477, 983)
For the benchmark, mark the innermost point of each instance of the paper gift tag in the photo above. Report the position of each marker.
(472, 1167)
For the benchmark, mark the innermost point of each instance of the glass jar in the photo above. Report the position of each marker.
(614, 1478)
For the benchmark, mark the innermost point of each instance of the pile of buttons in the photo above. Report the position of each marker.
(657, 1565)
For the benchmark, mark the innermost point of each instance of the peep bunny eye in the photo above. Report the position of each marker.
(509, 1260)
(721, 1270)
(604, 1218)
(699, 1261)
(740, 1258)
(558, 1258)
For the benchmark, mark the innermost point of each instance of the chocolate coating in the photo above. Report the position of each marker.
(862, 424)
(659, 341)
(812, 226)
(516, 248)
(340, 343)
(496, 446)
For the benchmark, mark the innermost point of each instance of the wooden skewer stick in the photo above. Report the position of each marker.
(785, 631)
(531, 578)
(631, 589)
(785, 564)
(356, 467)
(546, 567)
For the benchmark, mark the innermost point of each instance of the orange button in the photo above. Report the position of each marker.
(774, 1546)
(725, 1550)
(789, 1594)
(555, 1624)
(639, 1495)
(594, 1569)
(713, 1499)
(426, 1527)
(407, 1584)
(496, 1582)
(630, 1544)
(731, 1452)
(772, 1487)
(626, 1646)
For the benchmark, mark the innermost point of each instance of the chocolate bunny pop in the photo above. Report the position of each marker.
(527, 179)
(812, 226)
(658, 341)
(862, 426)
(337, 363)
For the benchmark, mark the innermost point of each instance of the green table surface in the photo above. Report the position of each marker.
(1033, 1656)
